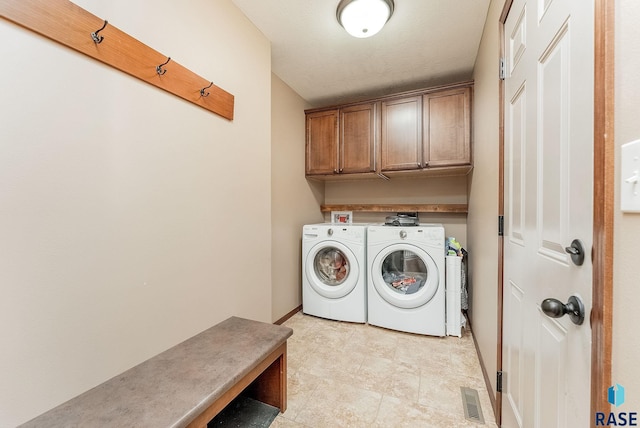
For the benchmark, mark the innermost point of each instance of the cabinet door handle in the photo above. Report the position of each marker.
(335, 171)
(341, 170)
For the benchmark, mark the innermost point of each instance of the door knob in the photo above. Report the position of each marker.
(555, 309)
(576, 251)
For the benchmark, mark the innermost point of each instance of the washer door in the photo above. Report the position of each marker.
(405, 275)
(332, 269)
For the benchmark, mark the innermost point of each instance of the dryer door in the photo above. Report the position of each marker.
(332, 269)
(405, 275)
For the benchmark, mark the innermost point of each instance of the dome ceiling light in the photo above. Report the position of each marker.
(364, 18)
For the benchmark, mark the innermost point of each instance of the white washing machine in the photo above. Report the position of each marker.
(406, 278)
(334, 284)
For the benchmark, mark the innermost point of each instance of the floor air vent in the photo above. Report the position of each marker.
(471, 405)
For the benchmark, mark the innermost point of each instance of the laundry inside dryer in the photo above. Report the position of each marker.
(404, 272)
(331, 266)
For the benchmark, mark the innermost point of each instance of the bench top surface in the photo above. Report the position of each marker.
(174, 387)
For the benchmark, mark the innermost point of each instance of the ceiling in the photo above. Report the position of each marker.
(425, 43)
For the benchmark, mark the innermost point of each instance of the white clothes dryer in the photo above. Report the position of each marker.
(334, 282)
(406, 278)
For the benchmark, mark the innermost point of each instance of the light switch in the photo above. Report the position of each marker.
(630, 177)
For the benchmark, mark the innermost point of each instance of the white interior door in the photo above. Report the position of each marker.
(548, 141)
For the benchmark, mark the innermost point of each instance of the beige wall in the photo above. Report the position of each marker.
(130, 219)
(440, 190)
(626, 342)
(483, 196)
(294, 200)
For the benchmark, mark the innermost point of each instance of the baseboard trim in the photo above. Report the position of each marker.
(288, 315)
(492, 393)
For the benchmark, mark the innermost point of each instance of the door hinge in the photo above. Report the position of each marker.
(503, 69)
(500, 225)
(499, 382)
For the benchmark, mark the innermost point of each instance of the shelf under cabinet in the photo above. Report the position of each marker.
(393, 208)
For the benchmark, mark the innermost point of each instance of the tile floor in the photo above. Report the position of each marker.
(357, 375)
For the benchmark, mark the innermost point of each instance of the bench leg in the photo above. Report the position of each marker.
(271, 386)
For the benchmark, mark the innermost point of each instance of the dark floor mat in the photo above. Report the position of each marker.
(245, 412)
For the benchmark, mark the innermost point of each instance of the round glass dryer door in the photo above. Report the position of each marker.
(405, 276)
(332, 269)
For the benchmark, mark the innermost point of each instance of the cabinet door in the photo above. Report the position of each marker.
(358, 139)
(322, 143)
(401, 139)
(447, 129)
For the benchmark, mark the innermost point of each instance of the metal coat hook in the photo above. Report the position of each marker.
(159, 69)
(203, 93)
(98, 39)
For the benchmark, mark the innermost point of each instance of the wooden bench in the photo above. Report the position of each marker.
(187, 385)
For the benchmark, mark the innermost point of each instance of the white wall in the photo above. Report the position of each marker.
(626, 342)
(130, 219)
(295, 201)
(483, 196)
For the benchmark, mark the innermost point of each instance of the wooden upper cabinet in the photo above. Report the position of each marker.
(423, 132)
(401, 138)
(322, 142)
(447, 128)
(357, 148)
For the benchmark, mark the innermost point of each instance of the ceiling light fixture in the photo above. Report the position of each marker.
(364, 18)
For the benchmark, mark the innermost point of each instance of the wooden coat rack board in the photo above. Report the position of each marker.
(70, 25)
